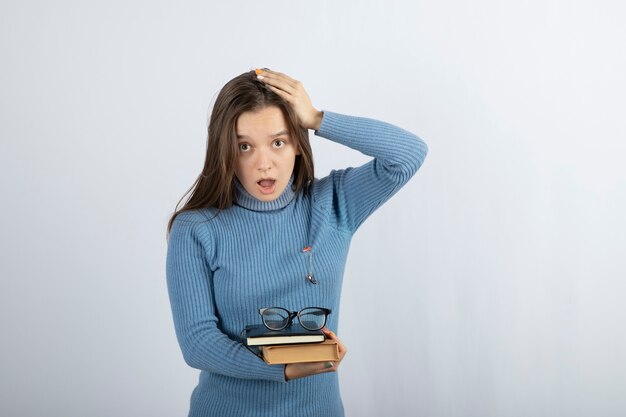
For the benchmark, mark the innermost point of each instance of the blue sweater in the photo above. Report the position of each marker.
(222, 269)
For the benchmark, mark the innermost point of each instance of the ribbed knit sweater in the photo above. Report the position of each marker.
(222, 267)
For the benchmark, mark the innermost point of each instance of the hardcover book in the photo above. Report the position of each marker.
(310, 352)
(259, 335)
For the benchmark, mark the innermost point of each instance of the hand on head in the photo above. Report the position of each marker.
(293, 92)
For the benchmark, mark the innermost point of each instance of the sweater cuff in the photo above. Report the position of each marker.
(329, 119)
(279, 373)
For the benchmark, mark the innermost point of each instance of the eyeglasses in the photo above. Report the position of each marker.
(278, 318)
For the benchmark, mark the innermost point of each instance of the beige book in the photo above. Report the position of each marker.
(309, 352)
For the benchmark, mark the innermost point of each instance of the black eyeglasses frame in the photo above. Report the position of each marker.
(294, 314)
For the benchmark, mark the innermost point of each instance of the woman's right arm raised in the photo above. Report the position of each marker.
(189, 282)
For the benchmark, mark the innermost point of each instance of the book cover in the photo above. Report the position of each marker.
(310, 352)
(259, 335)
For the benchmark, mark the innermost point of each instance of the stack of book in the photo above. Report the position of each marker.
(294, 344)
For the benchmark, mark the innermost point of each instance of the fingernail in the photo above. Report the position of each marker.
(258, 71)
(328, 365)
(260, 77)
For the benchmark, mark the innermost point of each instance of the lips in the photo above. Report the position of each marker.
(267, 185)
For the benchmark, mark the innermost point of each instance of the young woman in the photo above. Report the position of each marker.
(258, 230)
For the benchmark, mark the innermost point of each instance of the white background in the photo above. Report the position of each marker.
(490, 286)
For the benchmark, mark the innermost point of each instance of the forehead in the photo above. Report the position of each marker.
(267, 121)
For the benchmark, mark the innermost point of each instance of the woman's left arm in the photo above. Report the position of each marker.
(358, 192)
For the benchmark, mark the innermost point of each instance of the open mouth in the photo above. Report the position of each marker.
(267, 186)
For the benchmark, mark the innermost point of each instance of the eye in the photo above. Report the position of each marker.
(244, 147)
(279, 143)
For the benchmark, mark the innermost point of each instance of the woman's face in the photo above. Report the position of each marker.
(266, 153)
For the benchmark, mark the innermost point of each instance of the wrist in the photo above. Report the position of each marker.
(316, 123)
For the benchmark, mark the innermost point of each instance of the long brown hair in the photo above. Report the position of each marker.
(214, 186)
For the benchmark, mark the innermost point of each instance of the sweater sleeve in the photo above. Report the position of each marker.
(358, 192)
(190, 287)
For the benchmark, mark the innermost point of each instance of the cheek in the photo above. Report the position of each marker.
(290, 157)
(288, 160)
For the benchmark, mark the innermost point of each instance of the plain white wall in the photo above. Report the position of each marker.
(490, 286)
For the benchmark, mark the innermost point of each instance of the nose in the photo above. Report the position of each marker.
(264, 161)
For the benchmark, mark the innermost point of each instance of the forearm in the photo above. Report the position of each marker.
(207, 348)
(396, 149)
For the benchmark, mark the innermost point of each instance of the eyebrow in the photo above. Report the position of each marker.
(282, 132)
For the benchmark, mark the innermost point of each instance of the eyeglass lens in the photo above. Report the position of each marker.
(312, 318)
(275, 318)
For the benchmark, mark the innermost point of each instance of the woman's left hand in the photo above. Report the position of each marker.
(293, 92)
(304, 369)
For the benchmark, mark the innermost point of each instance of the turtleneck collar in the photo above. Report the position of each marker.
(244, 199)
